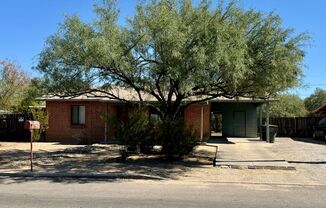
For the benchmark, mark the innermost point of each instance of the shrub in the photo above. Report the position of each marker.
(83, 139)
(176, 139)
(140, 134)
(41, 116)
(137, 132)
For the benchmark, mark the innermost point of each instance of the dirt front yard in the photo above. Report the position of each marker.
(306, 155)
(97, 158)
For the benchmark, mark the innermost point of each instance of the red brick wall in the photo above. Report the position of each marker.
(61, 130)
(192, 118)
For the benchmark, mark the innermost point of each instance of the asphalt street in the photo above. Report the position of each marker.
(46, 193)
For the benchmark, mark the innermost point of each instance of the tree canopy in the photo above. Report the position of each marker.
(174, 50)
(13, 83)
(34, 90)
(288, 105)
(315, 100)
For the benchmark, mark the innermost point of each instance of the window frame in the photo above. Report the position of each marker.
(78, 123)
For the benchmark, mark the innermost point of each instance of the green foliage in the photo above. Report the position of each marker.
(13, 83)
(174, 50)
(41, 116)
(137, 132)
(34, 90)
(111, 121)
(176, 140)
(317, 99)
(288, 105)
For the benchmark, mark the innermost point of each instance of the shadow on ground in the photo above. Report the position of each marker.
(309, 162)
(320, 141)
(219, 140)
(92, 160)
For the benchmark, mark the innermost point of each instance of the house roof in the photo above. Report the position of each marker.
(131, 95)
(321, 109)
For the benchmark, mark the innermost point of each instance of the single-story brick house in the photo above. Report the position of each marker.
(71, 117)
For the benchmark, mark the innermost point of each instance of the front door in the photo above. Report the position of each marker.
(239, 124)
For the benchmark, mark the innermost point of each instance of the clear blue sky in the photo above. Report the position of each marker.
(25, 24)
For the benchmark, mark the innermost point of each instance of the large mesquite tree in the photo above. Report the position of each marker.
(174, 50)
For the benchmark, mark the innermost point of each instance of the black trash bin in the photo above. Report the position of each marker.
(272, 132)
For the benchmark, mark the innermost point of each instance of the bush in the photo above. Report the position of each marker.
(140, 134)
(41, 116)
(137, 132)
(83, 139)
(176, 139)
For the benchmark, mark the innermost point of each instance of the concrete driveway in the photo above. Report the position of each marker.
(244, 153)
(307, 156)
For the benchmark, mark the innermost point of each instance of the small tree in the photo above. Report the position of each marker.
(41, 116)
(13, 83)
(288, 105)
(315, 100)
(137, 132)
(34, 90)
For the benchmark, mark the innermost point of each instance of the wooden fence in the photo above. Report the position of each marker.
(295, 127)
(12, 127)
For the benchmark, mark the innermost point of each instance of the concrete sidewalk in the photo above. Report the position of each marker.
(244, 153)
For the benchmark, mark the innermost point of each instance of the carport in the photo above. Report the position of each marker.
(240, 117)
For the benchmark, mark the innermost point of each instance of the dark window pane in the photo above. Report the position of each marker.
(77, 114)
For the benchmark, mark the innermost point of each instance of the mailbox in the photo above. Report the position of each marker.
(32, 125)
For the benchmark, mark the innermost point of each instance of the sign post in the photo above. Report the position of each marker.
(31, 125)
(31, 156)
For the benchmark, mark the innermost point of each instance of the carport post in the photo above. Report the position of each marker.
(202, 122)
(260, 121)
(267, 122)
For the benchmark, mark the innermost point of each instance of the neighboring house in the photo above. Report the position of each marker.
(321, 110)
(73, 117)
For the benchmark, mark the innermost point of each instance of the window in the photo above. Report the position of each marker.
(77, 115)
(153, 115)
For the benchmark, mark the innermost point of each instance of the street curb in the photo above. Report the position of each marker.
(259, 183)
(82, 175)
(257, 167)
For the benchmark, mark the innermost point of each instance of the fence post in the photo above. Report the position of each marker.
(295, 127)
